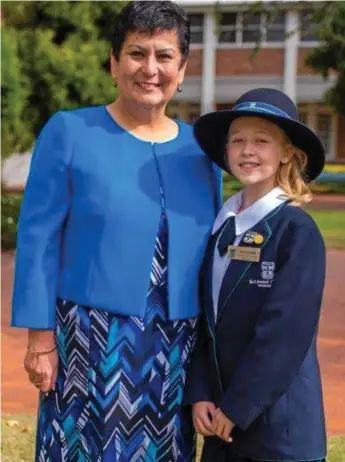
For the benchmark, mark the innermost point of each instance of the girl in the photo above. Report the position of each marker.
(254, 380)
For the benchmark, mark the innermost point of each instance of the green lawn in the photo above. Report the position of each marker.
(332, 226)
(330, 222)
(18, 440)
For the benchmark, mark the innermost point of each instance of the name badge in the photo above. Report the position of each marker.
(244, 253)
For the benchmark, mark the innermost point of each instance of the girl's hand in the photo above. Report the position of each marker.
(42, 369)
(222, 426)
(202, 417)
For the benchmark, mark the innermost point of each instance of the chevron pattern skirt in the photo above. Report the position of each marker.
(120, 383)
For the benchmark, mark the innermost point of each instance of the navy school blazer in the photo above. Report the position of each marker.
(90, 215)
(258, 362)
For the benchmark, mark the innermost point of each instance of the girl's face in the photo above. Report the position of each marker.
(256, 147)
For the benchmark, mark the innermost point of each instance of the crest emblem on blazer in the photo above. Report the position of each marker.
(267, 270)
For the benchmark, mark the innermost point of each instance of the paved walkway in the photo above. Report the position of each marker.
(19, 396)
(328, 201)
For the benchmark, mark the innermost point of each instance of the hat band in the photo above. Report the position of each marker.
(261, 107)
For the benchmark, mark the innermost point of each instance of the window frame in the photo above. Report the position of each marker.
(303, 42)
(197, 29)
(312, 114)
(239, 43)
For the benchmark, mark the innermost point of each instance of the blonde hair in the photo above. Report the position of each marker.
(290, 177)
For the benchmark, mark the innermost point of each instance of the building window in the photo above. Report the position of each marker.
(239, 28)
(251, 28)
(322, 123)
(228, 27)
(275, 28)
(324, 130)
(196, 28)
(308, 28)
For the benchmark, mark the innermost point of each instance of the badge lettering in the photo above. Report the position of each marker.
(244, 253)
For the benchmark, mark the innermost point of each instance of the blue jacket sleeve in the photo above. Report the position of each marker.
(43, 211)
(284, 331)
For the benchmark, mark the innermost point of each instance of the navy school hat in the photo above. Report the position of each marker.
(211, 129)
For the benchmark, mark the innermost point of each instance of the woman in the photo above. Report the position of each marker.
(117, 211)
(263, 282)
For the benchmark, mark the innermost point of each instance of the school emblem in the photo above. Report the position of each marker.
(251, 237)
(267, 270)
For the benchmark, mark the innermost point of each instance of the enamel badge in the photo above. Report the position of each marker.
(251, 237)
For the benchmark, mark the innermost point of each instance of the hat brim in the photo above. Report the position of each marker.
(211, 131)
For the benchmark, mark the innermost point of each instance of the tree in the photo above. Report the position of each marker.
(56, 57)
(14, 95)
(329, 56)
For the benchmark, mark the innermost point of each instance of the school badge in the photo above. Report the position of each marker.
(251, 237)
(258, 238)
(267, 270)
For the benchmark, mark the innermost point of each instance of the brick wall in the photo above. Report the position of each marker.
(302, 68)
(267, 61)
(194, 63)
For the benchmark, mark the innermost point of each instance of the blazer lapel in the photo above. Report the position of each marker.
(237, 268)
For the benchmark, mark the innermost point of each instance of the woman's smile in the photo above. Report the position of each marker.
(148, 86)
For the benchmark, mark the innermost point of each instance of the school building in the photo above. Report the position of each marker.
(225, 61)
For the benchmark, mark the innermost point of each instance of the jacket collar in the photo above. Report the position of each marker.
(252, 215)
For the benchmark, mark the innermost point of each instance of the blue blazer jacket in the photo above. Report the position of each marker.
(258, 362)
(90, 215)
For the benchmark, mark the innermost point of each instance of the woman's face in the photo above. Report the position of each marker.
(256, 148)
(149, 69)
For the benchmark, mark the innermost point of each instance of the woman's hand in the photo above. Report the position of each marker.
(42, 368)
(222, 426)
(202, 417)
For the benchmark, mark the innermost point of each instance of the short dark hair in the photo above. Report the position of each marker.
(149, 17)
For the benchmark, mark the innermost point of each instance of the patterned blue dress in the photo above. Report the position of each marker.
(120, 382)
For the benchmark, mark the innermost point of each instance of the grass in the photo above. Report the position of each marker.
(231, 186)
(332, 226)
(18, 440)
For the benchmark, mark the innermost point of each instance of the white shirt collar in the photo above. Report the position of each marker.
(252, 215)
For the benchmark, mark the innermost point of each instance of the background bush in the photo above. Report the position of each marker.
(10, 206)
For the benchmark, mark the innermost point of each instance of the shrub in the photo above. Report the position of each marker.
(10, 207)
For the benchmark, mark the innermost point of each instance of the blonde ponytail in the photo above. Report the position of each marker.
(290, 178)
